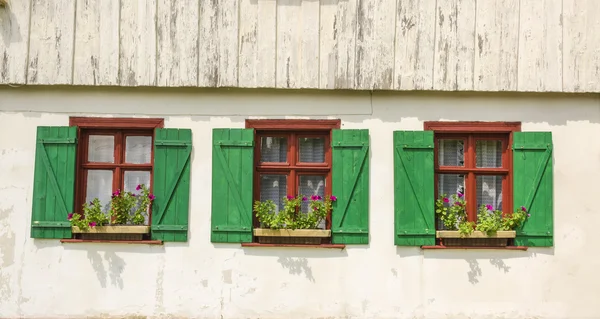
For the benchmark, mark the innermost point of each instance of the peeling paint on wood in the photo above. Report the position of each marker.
(454, 45)
(297, 44)
(96, 45)
(496, 46)
(137, 43)
(51, 42)
(14, 35)
(540, 46)
(218, 59)
(257, 48)
(177, 34)
(414, 51)
(338, 44)
(375, 44)
(581, 46)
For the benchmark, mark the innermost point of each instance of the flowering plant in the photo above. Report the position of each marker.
(452, 213)
(125, 207)
(291, 216)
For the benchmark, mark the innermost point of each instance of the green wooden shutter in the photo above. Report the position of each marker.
(350, 216)
(54, 182)
(232, 171)
(171, 184)
(414, 221)
(533, 186)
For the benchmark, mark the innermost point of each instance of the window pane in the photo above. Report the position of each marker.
(134, 178)
(488, 153)
(451, 153)
(99, 185)
(101, 149)
(131, 180)
(311, 185)
(273, 187)
(312, 150)
(489, 191)
(273, 149)
(449, 184)
(138, 149)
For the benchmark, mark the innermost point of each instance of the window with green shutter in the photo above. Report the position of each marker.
(485, 169)
(95, 162)
(276, 160)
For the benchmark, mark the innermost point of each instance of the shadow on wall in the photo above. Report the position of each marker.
(473, 257)
(298, 264)
(102, 254)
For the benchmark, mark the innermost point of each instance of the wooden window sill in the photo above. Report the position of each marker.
(334, 246)
(143, 242)
(477, 247)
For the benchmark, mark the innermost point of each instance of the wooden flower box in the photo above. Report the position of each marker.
(291, 236)
(477, 238)
(115, 232)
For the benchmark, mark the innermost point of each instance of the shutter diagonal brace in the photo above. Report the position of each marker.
(52, 178)
(230, 180)
(408, 177)
(364, 152)
(174, 182)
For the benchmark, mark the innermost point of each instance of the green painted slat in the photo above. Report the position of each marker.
(232, 173)
(54, 182)
(414, 223)
(171, 184)
(533, 186)
(350, 183)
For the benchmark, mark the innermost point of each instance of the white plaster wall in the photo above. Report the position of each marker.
(198, 279)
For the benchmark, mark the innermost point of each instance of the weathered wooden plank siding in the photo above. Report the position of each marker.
(257, 43)
(454, 45)
(14, 36)
(297, 44)
(96, 49)
(51, 42)
(218, 46)
(497, 45)
(451, 45)
(414, 51)
(137, 43)
(540, 46)
(177, 36)
(375, 44)
(338, 44)
(581, 64)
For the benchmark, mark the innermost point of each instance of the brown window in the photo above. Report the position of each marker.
(474, 158)
(292, 157)
(113, 154)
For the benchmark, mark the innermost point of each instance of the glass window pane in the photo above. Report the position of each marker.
(131, 180)
(138, 149)
(489, 191)
(450, 184)
(451, 153)
(488, 153)
(99, 185)
(312, 150)
(273, 187)
(311, 185)
(101, 149)
(273, 149)
(134, 178)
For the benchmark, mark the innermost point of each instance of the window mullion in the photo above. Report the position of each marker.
(471, 180)
(117, 173)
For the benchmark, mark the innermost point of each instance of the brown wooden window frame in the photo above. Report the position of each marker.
(293, 168)
(470, 133)
(120, 128)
